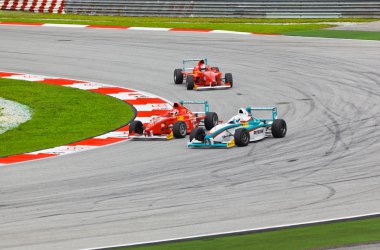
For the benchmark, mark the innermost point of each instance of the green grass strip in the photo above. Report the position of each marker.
(20, 15)
(254, 25)
(60, 115)
(344, 34)
(305, 237)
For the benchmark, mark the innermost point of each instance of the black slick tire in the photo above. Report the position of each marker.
(178, 76)
(279, 128)
(211, 120)
(241, 137)
(136, 127)
(198, 134)
(228, 79)
(179, 129)
(190, 82)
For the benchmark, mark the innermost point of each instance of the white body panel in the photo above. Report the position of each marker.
(228, 135)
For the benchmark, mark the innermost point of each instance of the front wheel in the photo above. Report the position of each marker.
(179, 129)
(211, 120)
(241, 137)
(178, 76)
(198, 134)
(228, 79)
(136, 127)
(279, 128)
(190, 82)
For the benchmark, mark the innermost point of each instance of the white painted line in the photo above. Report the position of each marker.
(64, 25)
(230, 32)
(114, 134)
(61, 150)
(27, 77)
(148, 28)
(88, 85)
(237, 232)
(132, 95)
(151, 107)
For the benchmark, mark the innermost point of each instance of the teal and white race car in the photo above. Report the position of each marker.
(240, 130)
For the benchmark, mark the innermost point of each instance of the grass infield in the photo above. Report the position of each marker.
(344, 34)
(60, 115)
(305, 237)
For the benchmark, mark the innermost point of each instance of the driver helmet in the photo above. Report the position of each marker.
(203, 67)
(244, 115)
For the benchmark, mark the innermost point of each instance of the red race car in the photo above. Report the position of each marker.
(177, 122)
(202, 76)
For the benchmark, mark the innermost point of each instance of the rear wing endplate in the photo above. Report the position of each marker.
(205, 103)
(184, 61)
(265, 108)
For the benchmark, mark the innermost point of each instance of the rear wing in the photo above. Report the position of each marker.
(205, 103)
(268, 108)
(186, 61)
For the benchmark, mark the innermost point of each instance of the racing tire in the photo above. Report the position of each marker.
(136, 127)
(179, 129)
(241, 137)
(198, 134)
(178, 76)
(228, 79)
(279, 128)
(215, 68)
(190, 82)
(211, 120)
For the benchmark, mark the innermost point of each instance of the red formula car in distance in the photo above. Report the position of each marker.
(177, 122)
(202, 76)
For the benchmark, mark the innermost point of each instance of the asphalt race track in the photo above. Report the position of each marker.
(327, 166)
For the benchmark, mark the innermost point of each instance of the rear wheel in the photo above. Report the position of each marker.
(228, 79)
(178, 76)
(241, 137)
(279, 128)
(211, 120)
(190, 82)
(136, 127)
(198, 134)
(179, 129)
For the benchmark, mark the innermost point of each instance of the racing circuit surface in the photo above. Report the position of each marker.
(327, 166)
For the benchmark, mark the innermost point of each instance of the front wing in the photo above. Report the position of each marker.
(223, 86)
(198, 144)
(151, 137)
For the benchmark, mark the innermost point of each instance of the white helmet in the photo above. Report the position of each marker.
(203, 67)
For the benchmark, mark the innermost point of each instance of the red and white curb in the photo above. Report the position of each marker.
(146, 105)
(41, 6)
(133, 28)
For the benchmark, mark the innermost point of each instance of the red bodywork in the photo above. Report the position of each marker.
(161, 126)
(208, 77)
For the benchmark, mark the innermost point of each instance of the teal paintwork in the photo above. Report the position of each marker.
(250, 125)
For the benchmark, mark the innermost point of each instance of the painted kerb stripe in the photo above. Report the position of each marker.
(144, 101)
